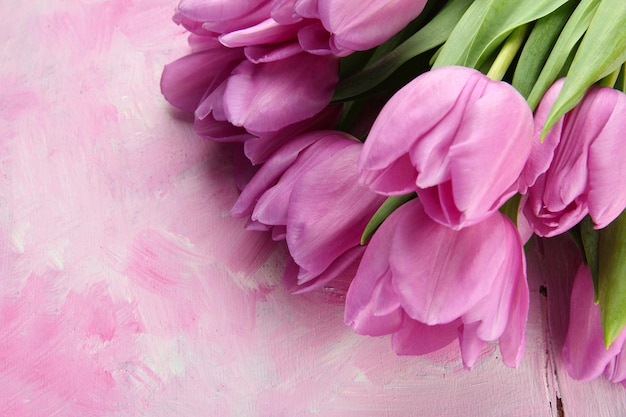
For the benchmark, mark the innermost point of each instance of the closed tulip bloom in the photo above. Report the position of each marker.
(457, 138)
(235, 100)
(269, 96)
(308, 193)
(579, 169)
(186, 81)
(584, 353)
(248, 78)
(428, 284)
(346, 26)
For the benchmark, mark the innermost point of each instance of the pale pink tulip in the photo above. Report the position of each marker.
(584, 353)
(457, 138)
(427, 284)
(308, 193)
(579, 169)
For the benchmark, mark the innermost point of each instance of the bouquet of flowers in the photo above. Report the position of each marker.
(416, 146)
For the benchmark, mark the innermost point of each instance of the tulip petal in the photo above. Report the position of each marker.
(302, 282)
(283, 11)
(317, 226)
(359, 25)
(415, 338)
(269, 96)
(258, 54)
(219, 131)
(217, 10)
(584, 353)
(259, 148)
(499, 128)
(362, 318)
(607, 171)
(372, 275)
(513, 339)
(616, 369)
(271, 171)
(542, 152)
(440, 274)
(247, 20)
(492, 315)
(185, 81)
(316, 40)
(471, 345)
(266, 32)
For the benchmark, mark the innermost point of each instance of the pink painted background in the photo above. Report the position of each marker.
(127, 290)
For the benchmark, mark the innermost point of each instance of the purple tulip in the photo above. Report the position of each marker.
(347, 26)
(584, 353)
(269, 96)
(579, 169)
(457, 138)
(236, 100)
(427, 284)
(308, 193)
(187, 80)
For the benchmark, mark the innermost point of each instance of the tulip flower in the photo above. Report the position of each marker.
(236, 100)
(579, 169)
(187, 80)
(427, 284)
(269, 96)
(346, 26)
(308, 193)
(457, 138)
(584, 353)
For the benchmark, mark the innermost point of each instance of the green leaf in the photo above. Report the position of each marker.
(354, 63)
(388, 207)
(430, 36)
(537, 48)
(484, 27)
(612, 278)
(602, 51)
(590, 238)
(564, 47)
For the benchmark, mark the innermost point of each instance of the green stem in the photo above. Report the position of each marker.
(611, 79)
(511, 207)
(508, 51)
(388, 207)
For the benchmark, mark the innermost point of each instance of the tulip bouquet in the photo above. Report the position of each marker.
(416, 146)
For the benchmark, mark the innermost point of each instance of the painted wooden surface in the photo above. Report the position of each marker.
(127, 290)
